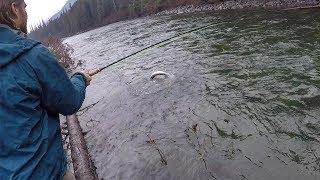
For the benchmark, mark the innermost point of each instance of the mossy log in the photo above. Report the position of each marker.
(84, 168)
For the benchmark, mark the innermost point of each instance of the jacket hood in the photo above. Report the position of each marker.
(13, 45)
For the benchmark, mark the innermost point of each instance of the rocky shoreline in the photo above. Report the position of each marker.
(241, 4)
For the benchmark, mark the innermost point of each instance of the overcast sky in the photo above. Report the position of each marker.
(39, 10)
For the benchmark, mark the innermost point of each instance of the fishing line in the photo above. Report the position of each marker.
(153, 45)
(158, 43)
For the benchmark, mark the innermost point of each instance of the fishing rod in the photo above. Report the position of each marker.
(97, 71)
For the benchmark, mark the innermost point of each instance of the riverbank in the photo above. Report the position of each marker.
(94, 18)
(241, 4)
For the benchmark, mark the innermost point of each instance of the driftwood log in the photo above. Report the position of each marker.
(84, 168)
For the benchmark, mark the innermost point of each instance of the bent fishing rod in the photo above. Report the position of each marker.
(97, 71)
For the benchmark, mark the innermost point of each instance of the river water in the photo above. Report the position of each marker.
(241, 102)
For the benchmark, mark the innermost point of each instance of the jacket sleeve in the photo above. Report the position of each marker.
(59, 93)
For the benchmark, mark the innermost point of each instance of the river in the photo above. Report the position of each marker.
(241, 102)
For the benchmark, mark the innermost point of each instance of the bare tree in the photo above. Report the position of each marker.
(115, 5)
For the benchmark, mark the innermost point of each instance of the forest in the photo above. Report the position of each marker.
(88, 14)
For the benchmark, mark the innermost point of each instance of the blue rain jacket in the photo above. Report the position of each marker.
(34, 89)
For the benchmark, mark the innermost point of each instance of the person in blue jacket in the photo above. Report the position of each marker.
(34, 90)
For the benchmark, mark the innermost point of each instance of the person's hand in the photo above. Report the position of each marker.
(87, 76)
(94, 72)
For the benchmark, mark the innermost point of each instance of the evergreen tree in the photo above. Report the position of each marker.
(88, 14)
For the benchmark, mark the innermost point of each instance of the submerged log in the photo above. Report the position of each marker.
(83, 166)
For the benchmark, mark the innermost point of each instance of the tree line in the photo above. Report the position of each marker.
(87, 14)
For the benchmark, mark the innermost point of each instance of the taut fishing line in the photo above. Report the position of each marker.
(97, 71)
(151, 46)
